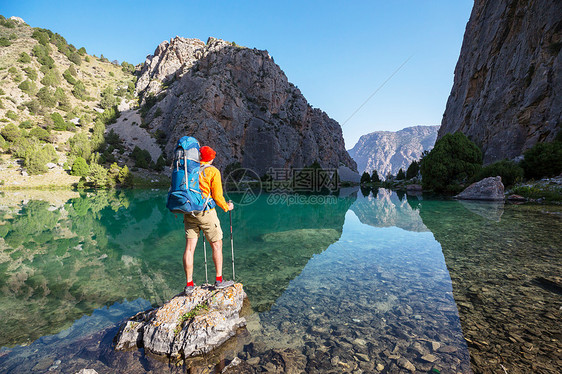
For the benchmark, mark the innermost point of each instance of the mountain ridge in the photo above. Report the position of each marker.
(236, 99)
(389, 151)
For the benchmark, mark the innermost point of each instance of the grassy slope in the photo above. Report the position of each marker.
(95, 74)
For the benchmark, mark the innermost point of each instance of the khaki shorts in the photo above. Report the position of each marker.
(207, 221)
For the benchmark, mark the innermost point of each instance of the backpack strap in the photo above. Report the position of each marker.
(202, 169)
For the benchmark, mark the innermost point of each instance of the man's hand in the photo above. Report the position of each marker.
(230, 206)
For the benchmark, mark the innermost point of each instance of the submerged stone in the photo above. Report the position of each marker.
(186, 326)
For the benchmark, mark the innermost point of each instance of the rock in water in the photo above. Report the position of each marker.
(490, 188)
(186, 326)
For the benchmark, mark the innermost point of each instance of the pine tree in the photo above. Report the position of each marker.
(365, 178)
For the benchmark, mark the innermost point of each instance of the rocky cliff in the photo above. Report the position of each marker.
(238, 101)
(507, 91)
(387, 151)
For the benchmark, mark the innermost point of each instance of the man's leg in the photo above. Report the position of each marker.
(217, 256)
(190, 244)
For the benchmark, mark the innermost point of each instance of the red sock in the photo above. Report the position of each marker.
(190, 284)
(219, 279)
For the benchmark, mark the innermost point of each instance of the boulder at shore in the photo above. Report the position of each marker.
(186, 326)
(490, 188)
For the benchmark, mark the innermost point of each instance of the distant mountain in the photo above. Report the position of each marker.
(388, 151)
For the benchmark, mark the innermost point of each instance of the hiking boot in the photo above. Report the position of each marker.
(188, 290)
(223, 284)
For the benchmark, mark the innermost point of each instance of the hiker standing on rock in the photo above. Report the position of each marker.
(211, 186)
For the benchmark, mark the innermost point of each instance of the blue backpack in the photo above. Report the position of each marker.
(185, 195)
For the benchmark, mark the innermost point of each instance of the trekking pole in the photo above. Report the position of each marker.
(231, 241)
(205, 252)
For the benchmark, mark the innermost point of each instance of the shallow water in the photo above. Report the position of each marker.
(382, 282)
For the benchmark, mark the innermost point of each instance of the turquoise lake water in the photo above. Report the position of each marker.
(366, 281)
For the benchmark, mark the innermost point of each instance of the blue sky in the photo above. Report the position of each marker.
(338, 53)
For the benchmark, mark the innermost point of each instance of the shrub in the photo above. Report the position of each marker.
(82, 51)
(41, 36)
(160, 163)
(375, 177)
(35, 155)
(33, 106)
(75, 58)
(510, 172)
(543, 160)
(97, 136)
(63, 48)
(142, 157)
(72, 70)
(98, 175)
(160, 136)
(130, 87)
(365, 178)
(68, 76)
(27, 86)
(109, 115)
(452, 162)
(107, 98)
(4, 42)
(26, 125)
(46, 97)
(41, 53)
(10, 132)
(127, 68)
(80, 167)
(113, 139)
(79, 90)
(51, 78)
(40, 134)
(80, 146)
(61, 99)
(125, 177)
(58, 121)
(24, 58)
(31, 73)
(87, 59)
(11, 115)
(413, 170)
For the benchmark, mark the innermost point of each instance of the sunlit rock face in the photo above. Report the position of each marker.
(239, 102)
(507, 91)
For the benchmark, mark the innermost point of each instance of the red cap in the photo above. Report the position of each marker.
(207, 153)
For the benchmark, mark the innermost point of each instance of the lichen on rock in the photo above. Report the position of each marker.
(186, 326)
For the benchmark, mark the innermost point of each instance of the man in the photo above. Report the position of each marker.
(208, 221)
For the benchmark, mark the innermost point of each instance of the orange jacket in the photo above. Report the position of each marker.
(210, 182)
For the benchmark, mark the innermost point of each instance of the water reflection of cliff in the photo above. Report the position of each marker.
(506, 281)
(60, 260)
(385, 208)
(275, 242)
